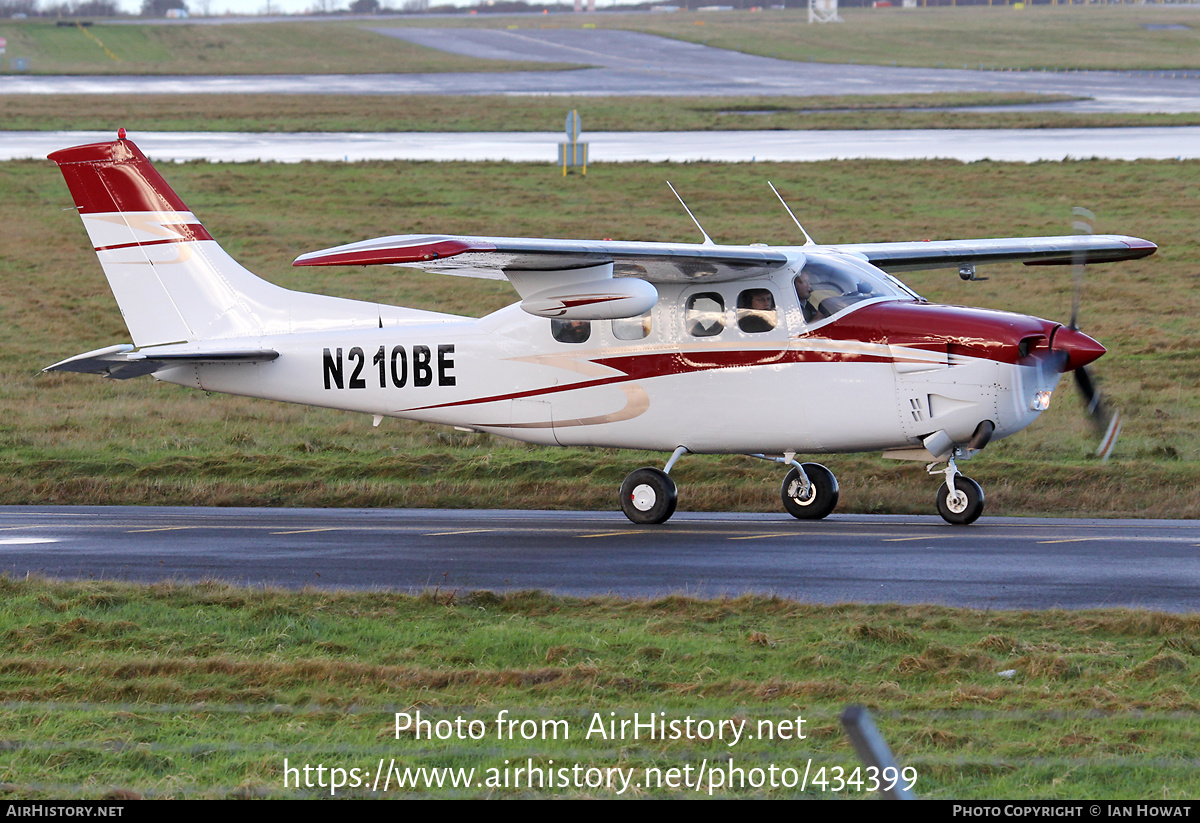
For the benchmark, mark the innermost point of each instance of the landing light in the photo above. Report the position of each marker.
(1041, 401)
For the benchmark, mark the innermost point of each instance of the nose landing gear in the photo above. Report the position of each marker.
(960, 499)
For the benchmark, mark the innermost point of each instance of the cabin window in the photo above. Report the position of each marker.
(756, 311)
(571, 331)
(704, 315)
(632, 328)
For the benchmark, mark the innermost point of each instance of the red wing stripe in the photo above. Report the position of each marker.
(417, 253)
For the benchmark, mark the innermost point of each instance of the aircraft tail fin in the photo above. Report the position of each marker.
(171, 279)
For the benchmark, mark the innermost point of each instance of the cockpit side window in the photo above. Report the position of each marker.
(829, 285)
(756, 311)
(704, 314)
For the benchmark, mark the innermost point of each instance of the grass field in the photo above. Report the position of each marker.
(266, 48)
(433, 113)
(171, 691)
(72, 439)
(1001, 37)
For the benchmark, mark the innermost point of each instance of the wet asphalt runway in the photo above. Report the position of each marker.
(998, 563)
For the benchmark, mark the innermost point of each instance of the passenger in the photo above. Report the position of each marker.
(571, 331)
(759, 316)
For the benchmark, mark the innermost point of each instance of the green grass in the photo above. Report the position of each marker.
(172, 691)
(68, 438)
(1001, 37)
(261, 48)
(426, 113)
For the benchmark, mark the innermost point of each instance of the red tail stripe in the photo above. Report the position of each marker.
(187, 233)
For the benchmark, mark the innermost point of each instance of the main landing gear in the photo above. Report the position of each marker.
(810, 492)
(649, 495)
(959, 499)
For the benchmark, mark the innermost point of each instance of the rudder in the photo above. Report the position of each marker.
(171, 280)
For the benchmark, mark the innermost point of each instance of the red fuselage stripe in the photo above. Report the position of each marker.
(646, 366)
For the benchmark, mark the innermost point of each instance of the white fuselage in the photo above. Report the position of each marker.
(799, 387)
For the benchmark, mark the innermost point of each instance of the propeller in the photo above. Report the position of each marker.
(1105, 420)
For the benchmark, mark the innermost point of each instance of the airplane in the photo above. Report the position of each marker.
(681, 348)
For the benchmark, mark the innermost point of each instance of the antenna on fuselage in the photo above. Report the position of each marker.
(707, 240)
(808, 241)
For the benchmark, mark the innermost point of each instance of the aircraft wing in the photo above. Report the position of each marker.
(495, 257)
(1032, 251)
(124, 361)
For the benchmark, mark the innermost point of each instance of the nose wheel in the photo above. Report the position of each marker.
(960, 499)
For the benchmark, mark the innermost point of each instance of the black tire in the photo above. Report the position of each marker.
(822, 496)
(648, 496)
(967, 506)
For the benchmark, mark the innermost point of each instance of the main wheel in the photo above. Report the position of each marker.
(821, 497)
(648, 496)
(964, 506)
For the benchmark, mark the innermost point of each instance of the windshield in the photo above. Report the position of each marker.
(836, 283)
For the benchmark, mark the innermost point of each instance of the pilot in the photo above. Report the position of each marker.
(804, 291)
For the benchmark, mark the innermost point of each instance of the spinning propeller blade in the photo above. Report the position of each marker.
(1106, 422)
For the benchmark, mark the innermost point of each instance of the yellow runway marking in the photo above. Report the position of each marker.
(466, 531)
(613, 534)
(755, 536)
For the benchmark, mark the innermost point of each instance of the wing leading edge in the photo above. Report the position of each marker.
(496, 257)
(1032, 251)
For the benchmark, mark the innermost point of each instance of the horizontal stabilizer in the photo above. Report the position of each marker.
(124, 361)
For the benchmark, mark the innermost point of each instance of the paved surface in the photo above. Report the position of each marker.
(1017, 145)
(630, 63)
(1001, 563)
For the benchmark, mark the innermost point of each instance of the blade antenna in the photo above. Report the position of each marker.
(808, 241)
(707, 240)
